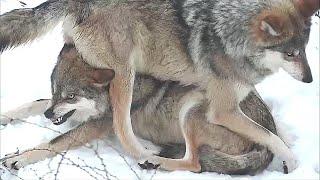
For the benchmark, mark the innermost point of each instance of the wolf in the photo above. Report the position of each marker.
(78, 94)
(224, 47)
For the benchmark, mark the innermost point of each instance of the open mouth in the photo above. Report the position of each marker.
(63, 118)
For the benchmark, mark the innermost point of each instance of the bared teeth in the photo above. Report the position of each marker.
(58, 120)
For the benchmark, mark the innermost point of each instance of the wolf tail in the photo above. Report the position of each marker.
(215, 161)
(250, 163)
(24, 25)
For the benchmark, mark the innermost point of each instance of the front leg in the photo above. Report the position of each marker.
(34, 108)
(83, 134)
(121, 88)
(238, 122)
(224, 110)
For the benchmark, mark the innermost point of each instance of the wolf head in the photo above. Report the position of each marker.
(269, 34)
(79, 91)
(283, 33)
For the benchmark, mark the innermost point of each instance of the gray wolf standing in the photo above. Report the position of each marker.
(80, 93)
(224, 47)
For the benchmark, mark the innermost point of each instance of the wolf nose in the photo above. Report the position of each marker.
(49, 113)
(307, 79)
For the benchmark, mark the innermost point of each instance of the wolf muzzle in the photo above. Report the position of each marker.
(298, 67)
(49, 114)
(61, 120)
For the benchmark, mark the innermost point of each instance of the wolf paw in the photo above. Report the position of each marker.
(156, 162)
(284, 154)
(289, 162)
(289, 165)
(15, 161)
(18, 160)
(147, 165)
(150, 162)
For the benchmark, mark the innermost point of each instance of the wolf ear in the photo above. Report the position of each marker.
(102, 77)
(68, 52)
(307, 7)
(272, 25)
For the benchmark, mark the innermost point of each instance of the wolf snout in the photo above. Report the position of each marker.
(58, 119)
(299, 68)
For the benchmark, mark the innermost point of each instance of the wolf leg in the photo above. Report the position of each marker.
(29, 109)
(240, 123)
(187, 118)
(190, 161)
(86, 132)
(121, 88)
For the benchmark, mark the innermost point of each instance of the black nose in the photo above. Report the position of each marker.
(49, 113)
(307, 78)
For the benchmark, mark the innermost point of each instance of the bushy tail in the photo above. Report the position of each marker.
(215, 161)
(250, 163)
(23, 25)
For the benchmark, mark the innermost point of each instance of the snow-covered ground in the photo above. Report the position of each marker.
(25, 73)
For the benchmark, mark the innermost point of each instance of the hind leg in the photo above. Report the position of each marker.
(238, 122)
(187, 119)
(190, 161)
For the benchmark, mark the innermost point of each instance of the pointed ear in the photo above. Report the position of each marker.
(307, 7)
(272, 25)
(102, 77)
(68, 52)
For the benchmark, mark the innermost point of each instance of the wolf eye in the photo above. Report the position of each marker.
(290, 54)
(293, 53)
(70, 96)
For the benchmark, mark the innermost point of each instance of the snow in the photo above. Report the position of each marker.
(25, 76)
